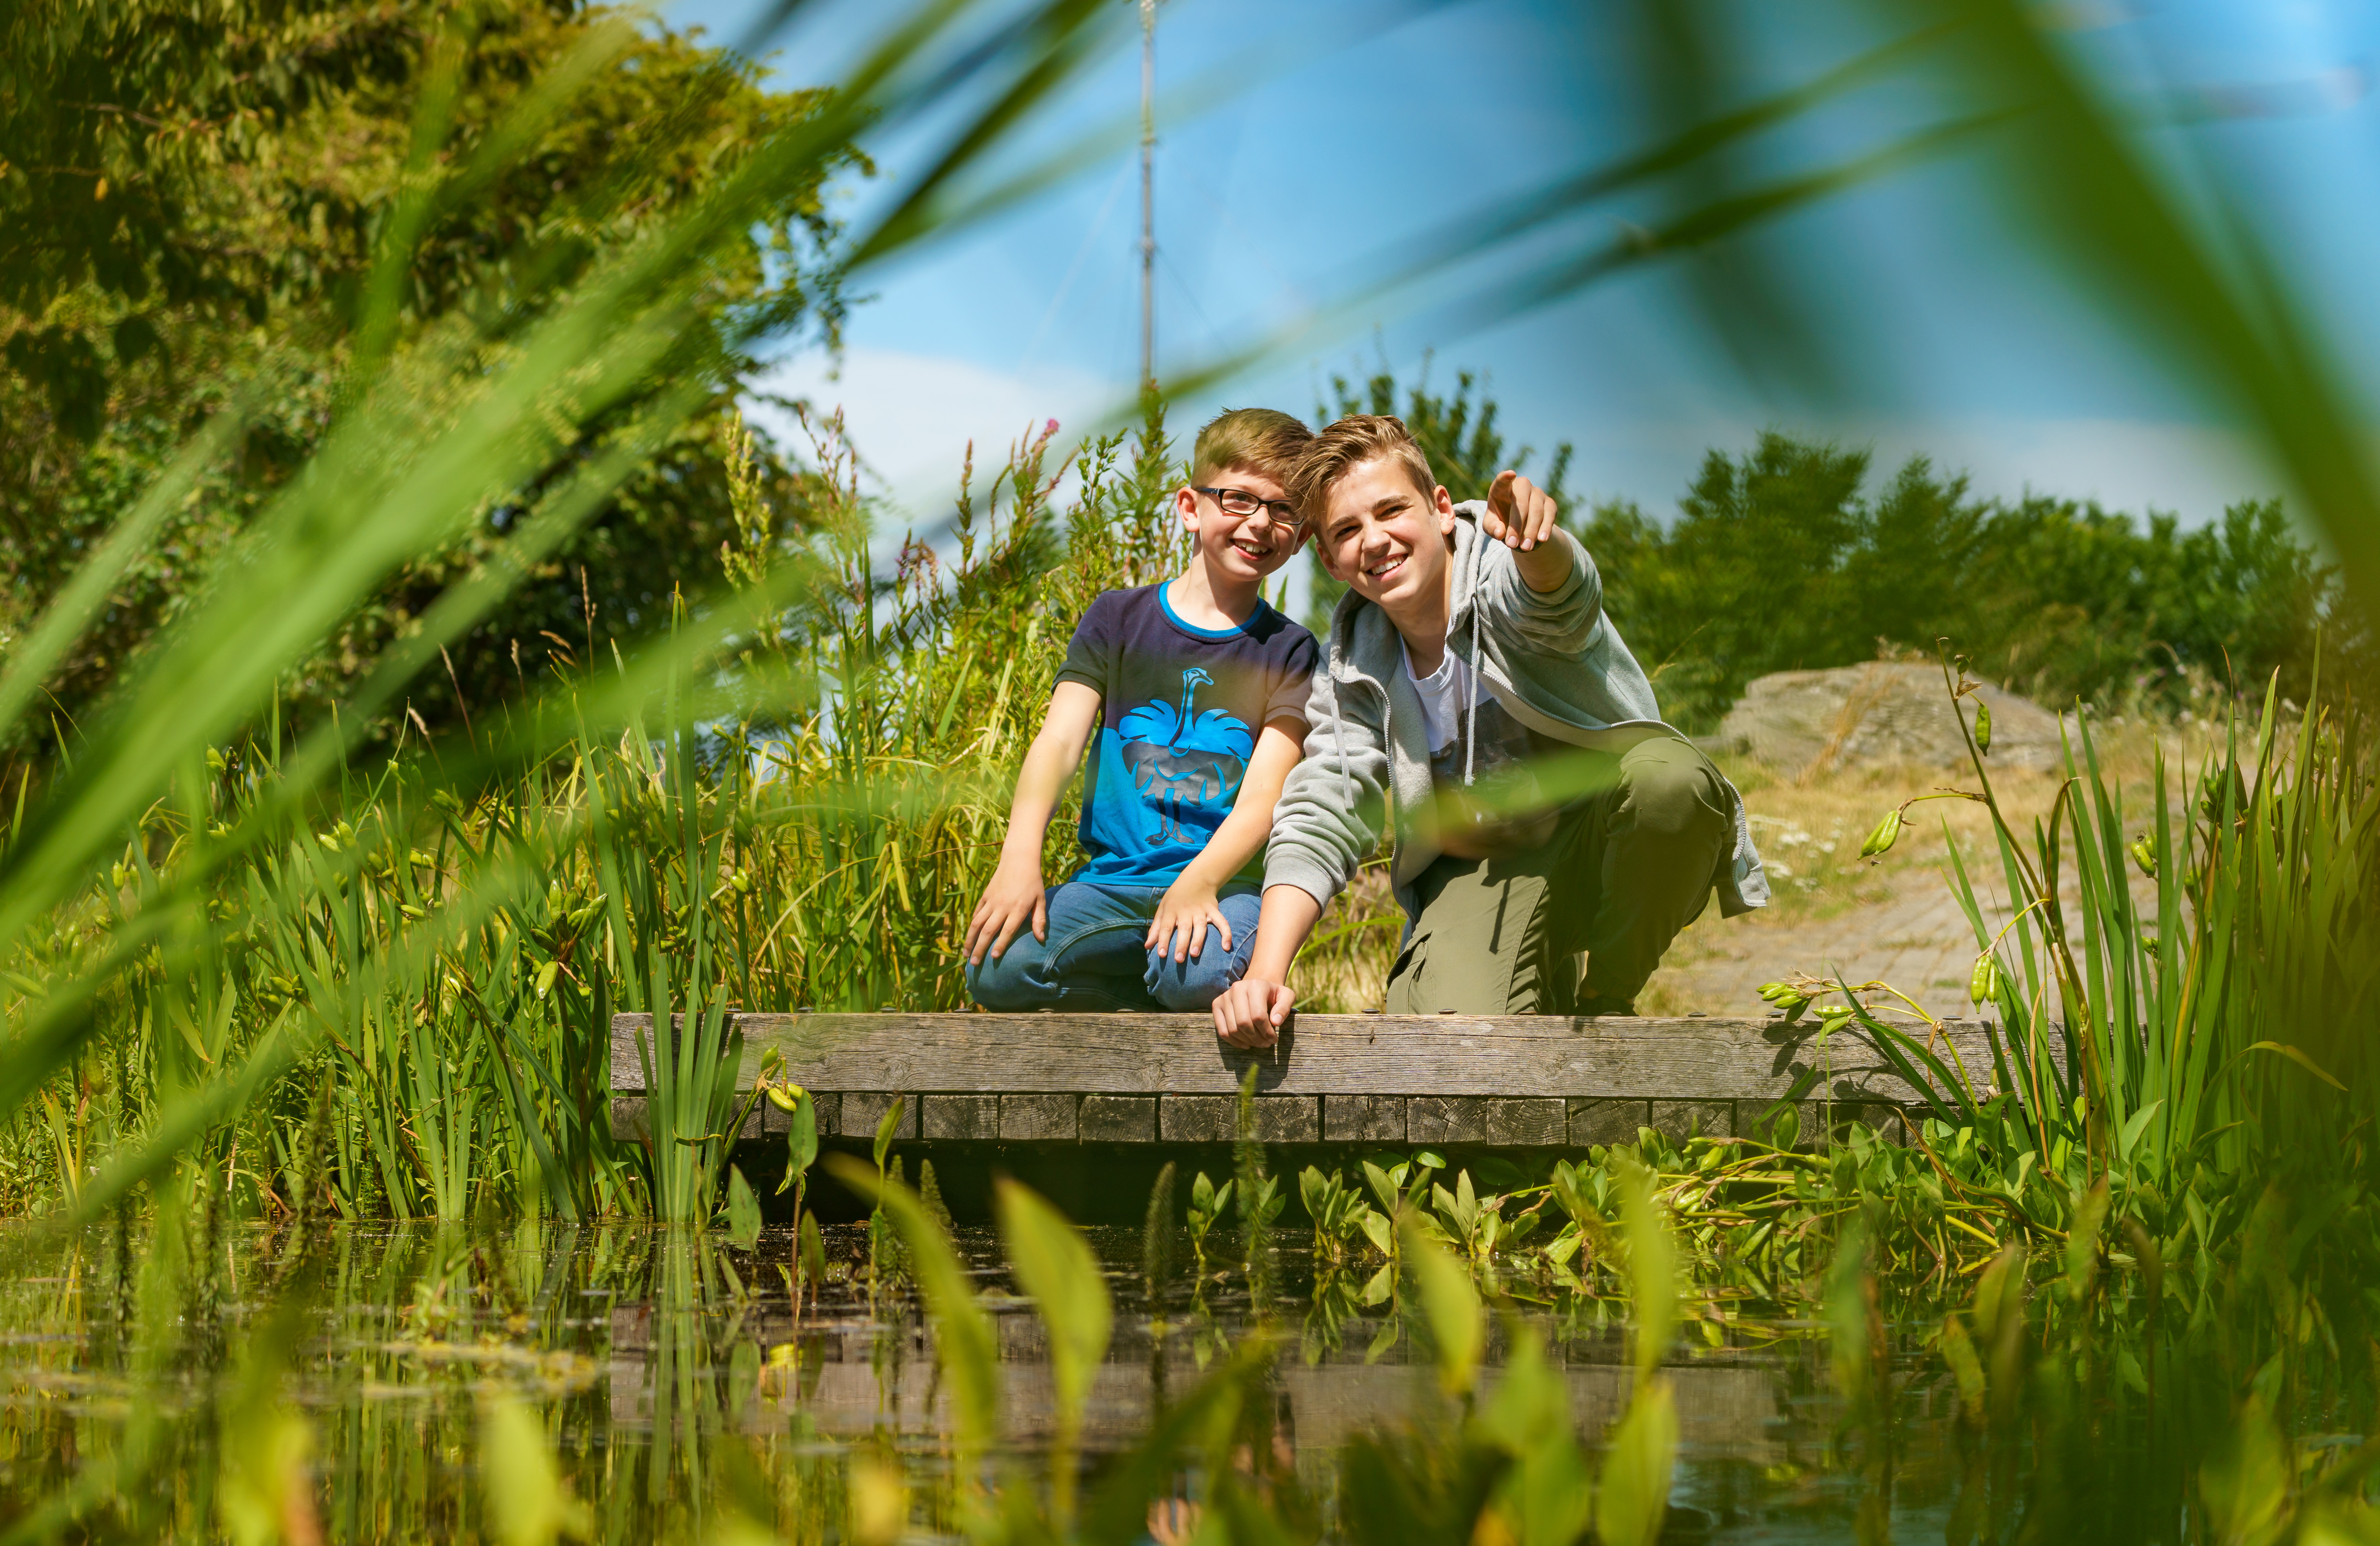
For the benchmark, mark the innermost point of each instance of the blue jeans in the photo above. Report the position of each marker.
(1094, 958)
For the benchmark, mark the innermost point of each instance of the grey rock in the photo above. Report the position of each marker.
(1810, 723)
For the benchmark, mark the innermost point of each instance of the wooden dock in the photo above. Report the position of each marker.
(1512, 1082)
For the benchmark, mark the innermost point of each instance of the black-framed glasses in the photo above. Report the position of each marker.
(1240, 502)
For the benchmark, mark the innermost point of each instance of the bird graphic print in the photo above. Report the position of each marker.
(1181, 760)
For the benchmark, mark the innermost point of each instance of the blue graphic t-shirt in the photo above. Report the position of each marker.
(1180, 711)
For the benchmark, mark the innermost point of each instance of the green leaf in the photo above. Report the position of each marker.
(1958, 1353)
(887, 1127)
(813, 1249)
(1056, 1267)
(1457, 1323)
(2300, 1058)
(1634, 1494)
(528, 1502)
(2133, 1129)
(963, 1336)
(743, 1211)
(1652, 1268)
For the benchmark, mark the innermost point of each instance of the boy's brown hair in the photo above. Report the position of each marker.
(1261, 439)
(1349, 444)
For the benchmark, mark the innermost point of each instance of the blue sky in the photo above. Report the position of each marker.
(1357, 130)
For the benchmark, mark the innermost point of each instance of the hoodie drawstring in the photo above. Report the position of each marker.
(1471, 709)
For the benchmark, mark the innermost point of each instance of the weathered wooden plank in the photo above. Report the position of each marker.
(1531, 1121)
(1119, 1118)
(1363, 1118)
(1194, 1118)
(958, 1116)
(1442, 1056)
(1593, 1121)
(1446, 1119)
(862, 1109)
(1289, 1118)
(1040, 1119)
(1680, 1120)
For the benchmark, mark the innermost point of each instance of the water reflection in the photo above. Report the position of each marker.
(678, 1387)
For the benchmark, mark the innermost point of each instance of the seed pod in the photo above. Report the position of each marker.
(1886, 833)
(1983, 725)
(2144, 854)
(786, 1097)
(1984, 986)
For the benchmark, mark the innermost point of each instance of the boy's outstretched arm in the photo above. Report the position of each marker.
(1191, 902)
(1251, 1012)
(1014, 899)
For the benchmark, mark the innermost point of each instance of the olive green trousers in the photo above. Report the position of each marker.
(1626, 869)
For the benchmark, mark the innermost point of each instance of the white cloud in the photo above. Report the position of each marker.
(911, 416)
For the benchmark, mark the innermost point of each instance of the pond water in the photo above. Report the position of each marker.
(679, 1386)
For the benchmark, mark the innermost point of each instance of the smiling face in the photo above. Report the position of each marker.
(1240, 547)
(1384, 538)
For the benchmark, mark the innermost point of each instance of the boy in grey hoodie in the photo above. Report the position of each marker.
(1473, 692)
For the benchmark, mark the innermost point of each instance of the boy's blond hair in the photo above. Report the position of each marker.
(1347, 445)
(1260, 439)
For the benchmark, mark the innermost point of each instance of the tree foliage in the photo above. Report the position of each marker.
(1783, 558)
(253, 169)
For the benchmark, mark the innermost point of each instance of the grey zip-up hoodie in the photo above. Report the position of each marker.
(1554, 661)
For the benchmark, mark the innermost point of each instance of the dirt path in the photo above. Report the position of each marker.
(1895, 921)
(1915, 937)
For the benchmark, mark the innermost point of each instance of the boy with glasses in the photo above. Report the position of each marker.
(1191, 697)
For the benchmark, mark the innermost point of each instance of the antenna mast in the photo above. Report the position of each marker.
(1148, 193)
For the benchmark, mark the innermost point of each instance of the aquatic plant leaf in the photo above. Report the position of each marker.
(1056, 1267)
(813, 1250)
(1652, 1268)
(2299, 1057)
(2133, 1128)
(743, 1211)
(1850, 1301)
(1157, 1234)
(1634, 1495)
(887, 1127)
(528, 1505)
(1958, 1353)
(963, 1336)
(2082, 1239)
(801, 1136)
(1457, 1323)
(2246, 1483)
(1549, 1490)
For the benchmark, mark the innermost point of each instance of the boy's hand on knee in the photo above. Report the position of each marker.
(1013, 900)
(1251, 1012)
(1183, 916)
